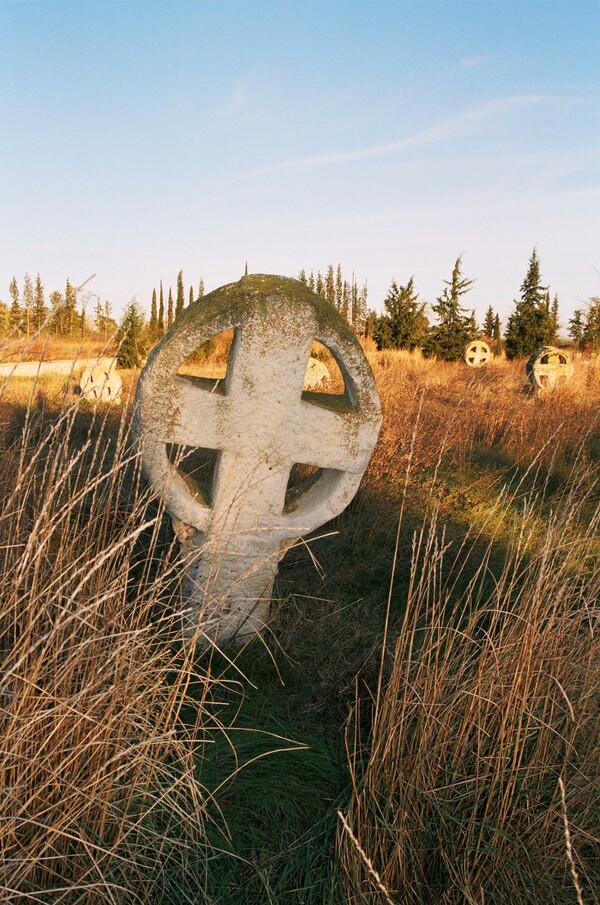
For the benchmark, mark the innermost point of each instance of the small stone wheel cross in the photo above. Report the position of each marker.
(477, 354)
(261, 424)
(100, 382)
(547, 367)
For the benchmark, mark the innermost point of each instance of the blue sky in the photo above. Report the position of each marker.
(141, 138)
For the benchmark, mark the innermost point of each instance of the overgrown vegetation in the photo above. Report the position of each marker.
(437, 717)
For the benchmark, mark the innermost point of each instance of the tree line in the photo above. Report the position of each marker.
(534, 322)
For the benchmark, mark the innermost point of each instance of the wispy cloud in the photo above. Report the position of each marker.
(442, 131)
(471, 62)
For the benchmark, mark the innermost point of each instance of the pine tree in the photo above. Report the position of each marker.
(161, 313)
(200, 288)
(40, 312)
(311, 281)
(362, 311)
(330, 285)
(180, 294)
(28, 303)
(302, 277)
(339, 288)
(16, 314)
(448, 338)
(529, 327)
(153, 322)
(98, 316)
(345, 309)
(591, 332)
(488, 322)
(404, 324)
(577, 327)
(191, 297)
(354, 303)
(320, 285)
(130, 337)
(170, 309)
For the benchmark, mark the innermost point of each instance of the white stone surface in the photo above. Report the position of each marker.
(101, 382)
(548, 367)
(262, 423)
(477, 354)
(317, 373)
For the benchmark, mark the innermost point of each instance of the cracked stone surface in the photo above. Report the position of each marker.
(262, 423)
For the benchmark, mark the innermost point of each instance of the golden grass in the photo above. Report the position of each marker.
(489, 690)
(99, 798)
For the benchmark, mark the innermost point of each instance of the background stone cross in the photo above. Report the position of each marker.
(261, 423)
(477, 354)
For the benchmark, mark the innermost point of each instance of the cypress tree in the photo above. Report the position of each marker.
(28, 303)
(40, 311)
(16, 314)
(554, 317)
(330, 285)
(180, 294)
(191, 298)
(70, 318)
(170, 309)
(161, 312)
(448, 338)
(345, 309)
(200, 288)
(153, 323)
(339, 288)
(529, 326)
(497, 334)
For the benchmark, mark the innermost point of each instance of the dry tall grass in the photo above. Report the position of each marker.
(489, 694)
(99, 798)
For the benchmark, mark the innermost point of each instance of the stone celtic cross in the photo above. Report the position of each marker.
(477, 354)
(261, 423)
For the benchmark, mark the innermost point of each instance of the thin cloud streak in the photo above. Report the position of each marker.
(446, 129)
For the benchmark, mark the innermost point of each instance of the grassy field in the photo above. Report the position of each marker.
(419, 723)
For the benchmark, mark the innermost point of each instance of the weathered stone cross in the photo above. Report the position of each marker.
(262, 423)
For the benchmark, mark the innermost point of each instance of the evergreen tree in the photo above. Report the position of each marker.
(153, 322)
(362, 310)
(577, 327)
(70, 318)
(320, 285)
(28, 303)
(404, 324)
(180, 294)
(302, 277)
(448, 338)
(330, 285)
(345, 309)
(371, 319)
(98, 316)
(130, 337)
(200, 288)
(40, 311)
(497, 335)
(529, 327)
(16, 314)
(554, 318)
(161, 312)
(191, 297)
(473, 326)
(339, 288)
(488, 322)
(56, 310)
(170, 309)
(4, 319)
(591, 332)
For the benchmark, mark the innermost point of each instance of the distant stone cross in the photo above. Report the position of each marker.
(261, 423)
(547, 367)
(477, 354)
